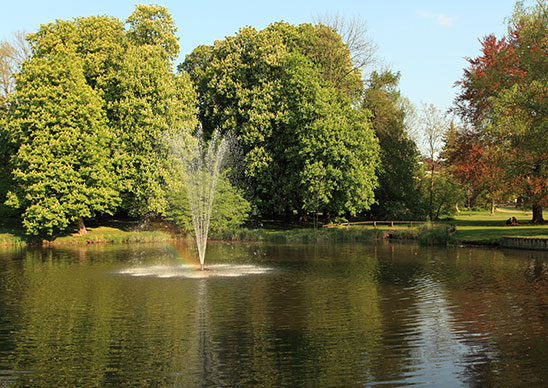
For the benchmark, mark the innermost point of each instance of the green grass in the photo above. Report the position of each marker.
(472, 226)
(118, 233)
(7, 238)
(11, 235)
(483, 227)
(107, 234)
(478, 227)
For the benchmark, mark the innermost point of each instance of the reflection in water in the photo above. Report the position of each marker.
(435, 345)
(194, 271)
(347, 315)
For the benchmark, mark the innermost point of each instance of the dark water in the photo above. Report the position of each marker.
(321, 316)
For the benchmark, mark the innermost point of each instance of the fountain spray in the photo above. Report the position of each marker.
(202, 167)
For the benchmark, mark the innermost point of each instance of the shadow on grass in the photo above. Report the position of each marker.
(481, 233)
(488, 223)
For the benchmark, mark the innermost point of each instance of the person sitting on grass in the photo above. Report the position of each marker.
(512, 221)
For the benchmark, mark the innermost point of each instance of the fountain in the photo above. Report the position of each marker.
(201, 169)
(200, 164)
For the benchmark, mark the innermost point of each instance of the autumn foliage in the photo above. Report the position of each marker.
(476, 164)
(504, 97)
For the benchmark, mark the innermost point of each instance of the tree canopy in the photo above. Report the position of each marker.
(504, 96)
(87, 126)
(398, 195)
(306, 148)
(62, 170)
(88, 120)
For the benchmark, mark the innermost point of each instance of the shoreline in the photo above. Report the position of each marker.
(442, 234)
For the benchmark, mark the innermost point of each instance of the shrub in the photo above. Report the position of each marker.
(438, 235)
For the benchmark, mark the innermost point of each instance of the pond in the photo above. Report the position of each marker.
(328, 315)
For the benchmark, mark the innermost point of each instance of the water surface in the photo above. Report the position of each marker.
(337, 315)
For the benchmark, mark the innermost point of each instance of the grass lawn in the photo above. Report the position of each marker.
(484, 227)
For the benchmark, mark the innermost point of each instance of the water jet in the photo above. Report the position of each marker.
(201, 169)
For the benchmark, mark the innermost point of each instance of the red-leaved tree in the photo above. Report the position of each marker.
(504, 95)
(476, 165)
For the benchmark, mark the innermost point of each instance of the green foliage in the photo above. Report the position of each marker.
(303, 236)
(62, 168)
(436, 235)
(5, 171)
(229, 211)
(398, 196)
(325, 48)
(88, 121)
(150, 105)
(153, 25)
(306, 149)
(446, 194)
(13, 53)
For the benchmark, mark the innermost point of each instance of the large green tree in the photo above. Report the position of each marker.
(135, 101)
(306, 149)
(148, 105)
(62, 167)
(398, 196)
(323, 45)
(144, 100)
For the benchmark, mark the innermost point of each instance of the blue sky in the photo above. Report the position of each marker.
(425, 40)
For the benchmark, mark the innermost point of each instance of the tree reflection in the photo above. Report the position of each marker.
(330, 315)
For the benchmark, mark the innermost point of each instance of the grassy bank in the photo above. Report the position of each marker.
(8, 238)
(485, 228)
(303, 235)
(471, 227)
(117, 232)
(109, 234)
(476, 227)
(427, 235)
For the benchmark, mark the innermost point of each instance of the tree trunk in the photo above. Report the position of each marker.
(492, 206)
(437, 214)
(288, 216)
(537, 215)
(457, 207)
(81, 227)
(431, 190)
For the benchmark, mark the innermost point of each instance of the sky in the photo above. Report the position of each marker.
(427, 41)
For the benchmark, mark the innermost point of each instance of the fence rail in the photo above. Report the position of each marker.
(375, 223)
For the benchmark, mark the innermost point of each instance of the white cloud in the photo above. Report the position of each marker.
(441, 19)
(445, 21)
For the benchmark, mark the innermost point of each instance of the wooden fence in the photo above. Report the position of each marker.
(378, 223)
